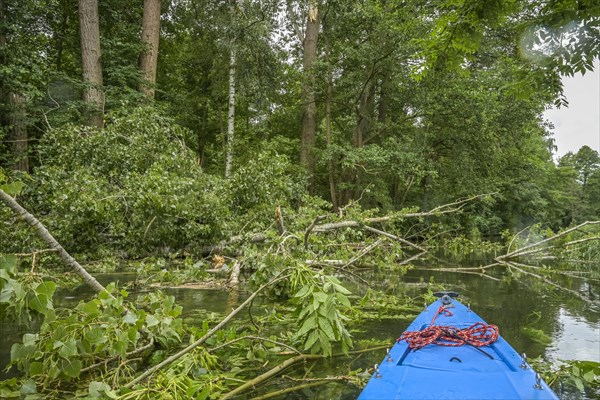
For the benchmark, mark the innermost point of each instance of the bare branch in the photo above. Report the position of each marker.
(521, 251)
(310, 228)
(394, 237)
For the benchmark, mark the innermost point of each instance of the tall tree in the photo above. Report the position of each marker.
(309, 114)
(231, 97)
(150, 39)
(89, 29)
(14, 104)
(17, 131)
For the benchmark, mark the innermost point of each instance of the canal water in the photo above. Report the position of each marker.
(571, 325)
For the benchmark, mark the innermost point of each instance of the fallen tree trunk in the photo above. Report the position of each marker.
(47, 237)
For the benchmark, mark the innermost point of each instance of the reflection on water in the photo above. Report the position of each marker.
(572, 325)
(576, 339)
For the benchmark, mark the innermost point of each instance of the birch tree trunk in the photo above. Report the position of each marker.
(93, 96)
(309, 115)
(150, 39)
(231, 113)
(231, 102)
(47, 237)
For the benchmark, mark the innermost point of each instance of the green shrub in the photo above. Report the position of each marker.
(134, 186)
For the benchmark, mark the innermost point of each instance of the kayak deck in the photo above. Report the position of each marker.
(464, 372)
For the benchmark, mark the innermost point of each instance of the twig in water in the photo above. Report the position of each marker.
(250, 337)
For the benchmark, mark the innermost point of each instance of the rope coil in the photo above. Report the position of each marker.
(477, 335)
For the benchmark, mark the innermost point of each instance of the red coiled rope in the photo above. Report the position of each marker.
(478, 334)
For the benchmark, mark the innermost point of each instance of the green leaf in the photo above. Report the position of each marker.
(325, 345)
(36, 368)
(589, 376)
(130, 318)
(151, 320)
(68, 349)
(13, 188)
(39, 303)
(310, 341)
(320, 297)
(29, 339)
(47, 288)
(6, 294)
(29, 387)
(70, 368)
(91, 308)
(95, 335)
(303, 291)
(8, 262)
(343, 300)
(98, 390)
(15, 351)
(327, 329)
(309, 324)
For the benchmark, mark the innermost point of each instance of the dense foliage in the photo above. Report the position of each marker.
(426, 121)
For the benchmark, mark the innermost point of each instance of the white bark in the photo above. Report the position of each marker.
(231, 114)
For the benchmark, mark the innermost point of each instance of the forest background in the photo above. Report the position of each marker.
(187, 128)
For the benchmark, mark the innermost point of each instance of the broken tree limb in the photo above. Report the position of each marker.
(234, 277)
(290, 361)
(200, 341)
(394, 237)
(521, 251)
(132, 353)
(310, 228)
(279, 221)
(47, 237)
(362, 253)
(439, 210)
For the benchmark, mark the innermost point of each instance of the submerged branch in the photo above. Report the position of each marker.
(549, 282)
(250, 337)
(289, 390)
(290, 361)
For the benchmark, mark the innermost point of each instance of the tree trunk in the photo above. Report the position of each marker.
(17, 131)
(150, 39)
(13, 112)
(309, 117)
(231, 113)
(59, 37)
(330, 171)
(364, 112)
(93, 96)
